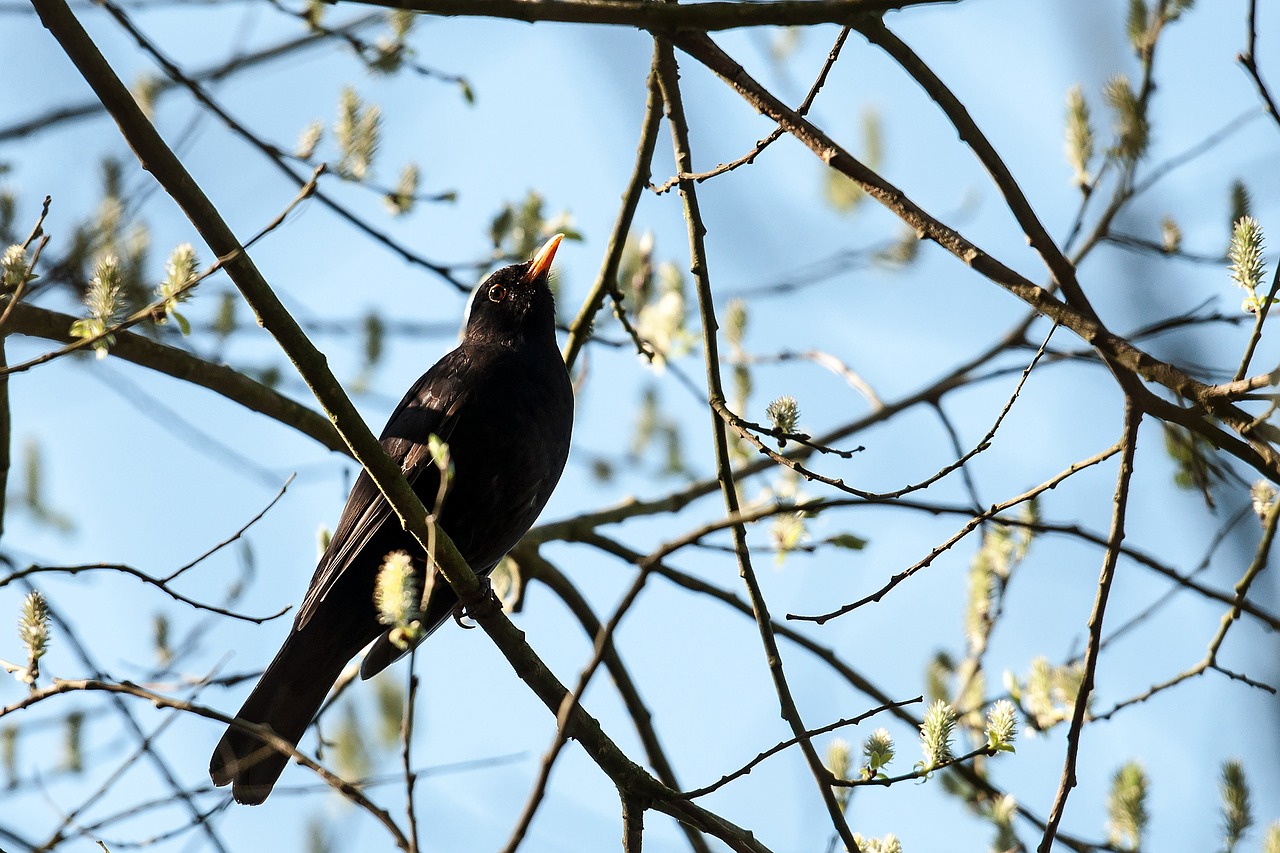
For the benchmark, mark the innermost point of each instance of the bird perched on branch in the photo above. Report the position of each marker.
(503, 403)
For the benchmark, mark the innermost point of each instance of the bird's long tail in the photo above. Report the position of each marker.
(286, 698)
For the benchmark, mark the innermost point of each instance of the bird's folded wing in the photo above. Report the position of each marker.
(430, 407)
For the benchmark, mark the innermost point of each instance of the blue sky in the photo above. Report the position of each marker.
(558, 109)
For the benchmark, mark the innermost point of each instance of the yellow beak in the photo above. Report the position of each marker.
(541, 263)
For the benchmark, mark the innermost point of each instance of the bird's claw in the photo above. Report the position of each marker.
(486, 603)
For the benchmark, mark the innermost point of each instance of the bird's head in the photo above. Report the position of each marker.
(515, 303)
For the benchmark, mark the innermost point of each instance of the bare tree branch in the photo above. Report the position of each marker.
(710, 16)
(1129, 443)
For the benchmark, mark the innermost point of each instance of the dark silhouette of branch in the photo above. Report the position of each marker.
(1239, 604)
(1063, 271)
(606, 279)
(828, 656)
(779, 747)
(603, 644)
(180, 364)
(1128, 444)
(158, 583)
(948, 543)
(534, 567)
(1249, 59)
(119, 689)
(71, 636)
(710, 16)
(776, 133)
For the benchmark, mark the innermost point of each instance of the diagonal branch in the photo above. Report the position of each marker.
(533, 566)
(273, 154)
(1063, 271)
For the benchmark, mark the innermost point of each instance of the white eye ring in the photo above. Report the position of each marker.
(497, 293)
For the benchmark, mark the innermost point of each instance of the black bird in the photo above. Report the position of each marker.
(504, 404)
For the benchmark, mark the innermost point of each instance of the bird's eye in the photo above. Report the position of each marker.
(497, 293)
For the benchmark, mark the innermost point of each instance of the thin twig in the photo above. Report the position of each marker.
(406, 737)
(244, 528)
(156, 309)
(1261, 557)
(124, 569)
(263, 733)
(120, 770)
(533, 566)
(70, 636)
(948, 543)
(92, 107)
(745, 430)
(1256, 334)
(831, 659)
(606, 278)
(37, 231)
(1129, 443)
(1059, 266)
(603, 642)
(1249, 59)
(779, 747)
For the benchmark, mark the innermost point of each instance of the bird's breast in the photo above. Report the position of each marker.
(508, 449)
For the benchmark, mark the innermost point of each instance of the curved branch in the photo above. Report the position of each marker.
(158, 583)
(606, 279)
(171, 361)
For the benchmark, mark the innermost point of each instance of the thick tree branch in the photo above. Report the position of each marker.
(171, 361)
(710, 16)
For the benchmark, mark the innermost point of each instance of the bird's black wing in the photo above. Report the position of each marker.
(430, 407)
